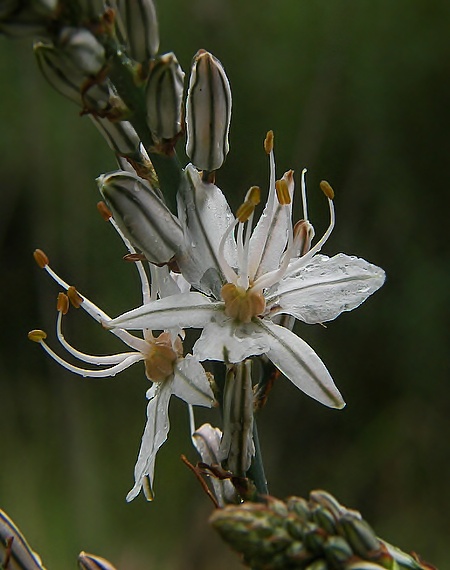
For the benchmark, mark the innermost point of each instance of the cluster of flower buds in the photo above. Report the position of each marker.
(319, 534)
(104, 57)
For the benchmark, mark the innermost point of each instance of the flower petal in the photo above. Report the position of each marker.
(184, 310)
(270, 236)
(155, 434)
(298, 362)
(205, 216)
(326, 287)
(225, 340)
(206, 440)
(191, 384)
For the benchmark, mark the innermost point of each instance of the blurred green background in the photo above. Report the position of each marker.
(358, 91)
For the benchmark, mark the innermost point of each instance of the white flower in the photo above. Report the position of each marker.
(248, 278)
(165, 366)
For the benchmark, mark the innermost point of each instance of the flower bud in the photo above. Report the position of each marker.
(359, 535)
(90, 562)
(165, 97)
(337, 551)
(141, 215)
(68, 80)
(237, 447)
(14, 547)
(120, 135)
(208, 113)
(206, 440)
(83, 50)
(254, 530)
(141, 23)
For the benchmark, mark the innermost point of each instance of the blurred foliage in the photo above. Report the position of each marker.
(358, 92)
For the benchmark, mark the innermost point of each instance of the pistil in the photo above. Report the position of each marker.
(242, 304)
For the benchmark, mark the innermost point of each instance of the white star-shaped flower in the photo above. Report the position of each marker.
(165, 366)
(247, 278)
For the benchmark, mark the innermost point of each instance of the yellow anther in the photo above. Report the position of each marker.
(245, 210)
(40, 258)
(104, 211)
(75, 298)
(254, 195)
(327, 190)
(37, 335)
(62, 303)
(282, 188)
(242, 304)
(268, 142)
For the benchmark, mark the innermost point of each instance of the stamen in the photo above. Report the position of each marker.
(145, 285)
(40, 258)
(304, 201)
(74, 297)
(104, 211)
(327, 190)
(268, 279)
(246, 209)
(91, 309)
(37, 335)
(89, 358)
(268, 142)
(62, 303)
(86, 372)
(230, 274)
(318, 246)
(282, 189)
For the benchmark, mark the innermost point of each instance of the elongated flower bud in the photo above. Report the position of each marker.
(208, 112)
(90, 562)
(120, 135)
(67, 79)
(141, 215)
(141, 23)
(165, 97)
(83, 50)
(14, 550)
(237, 447)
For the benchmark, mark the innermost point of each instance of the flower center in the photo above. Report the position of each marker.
(161, 356)
(242, 304)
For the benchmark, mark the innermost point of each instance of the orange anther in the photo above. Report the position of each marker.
(75, 298)
(282, 189)
(40, 258)
(104, 211)
(62, 303)
(268, 142)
